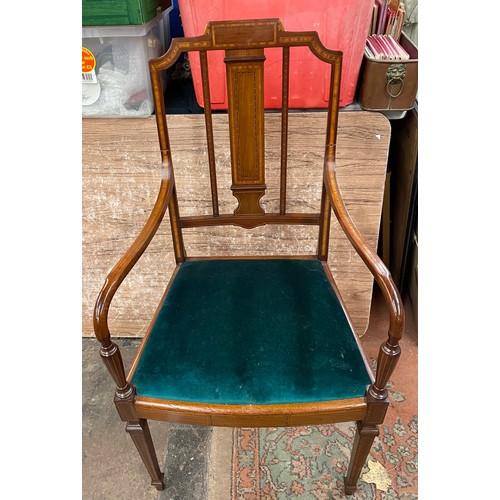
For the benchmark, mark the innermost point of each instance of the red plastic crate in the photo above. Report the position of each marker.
(341, 25)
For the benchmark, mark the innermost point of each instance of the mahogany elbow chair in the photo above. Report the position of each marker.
(208, 356)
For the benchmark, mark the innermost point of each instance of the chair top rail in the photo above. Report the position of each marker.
(250, 34)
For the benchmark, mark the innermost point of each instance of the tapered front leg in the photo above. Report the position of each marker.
(367, 431)
(140, 434)
(363, 441)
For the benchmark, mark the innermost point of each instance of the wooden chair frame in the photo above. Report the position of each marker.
(244, 42)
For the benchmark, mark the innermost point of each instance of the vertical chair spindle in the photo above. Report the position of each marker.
(330, 147)
(207, 108)
(284, 128)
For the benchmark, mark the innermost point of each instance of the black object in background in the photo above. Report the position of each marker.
(180, 97)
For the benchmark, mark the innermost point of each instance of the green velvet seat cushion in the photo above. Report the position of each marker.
(251, 332)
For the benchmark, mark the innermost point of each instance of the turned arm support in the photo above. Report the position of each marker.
(109, 350)
(389, 350)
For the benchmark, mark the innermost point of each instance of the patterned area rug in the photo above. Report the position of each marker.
(310, 462)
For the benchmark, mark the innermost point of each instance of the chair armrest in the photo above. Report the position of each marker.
(131, 256)
(390, 350)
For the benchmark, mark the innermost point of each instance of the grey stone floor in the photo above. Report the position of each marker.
(112, 468)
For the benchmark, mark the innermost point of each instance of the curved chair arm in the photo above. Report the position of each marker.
(109, 350)
(390, 350)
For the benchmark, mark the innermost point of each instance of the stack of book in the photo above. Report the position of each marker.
(388, 18)
(385, 48)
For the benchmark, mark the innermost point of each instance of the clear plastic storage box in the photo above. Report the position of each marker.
(115, 71)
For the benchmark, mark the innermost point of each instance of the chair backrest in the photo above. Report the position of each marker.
(243, 43)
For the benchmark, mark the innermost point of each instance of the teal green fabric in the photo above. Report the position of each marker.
(251, 332)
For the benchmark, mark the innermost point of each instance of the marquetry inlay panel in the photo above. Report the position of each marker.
(245, 81)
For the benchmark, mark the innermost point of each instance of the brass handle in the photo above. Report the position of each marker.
(393, 81)
(396, 73)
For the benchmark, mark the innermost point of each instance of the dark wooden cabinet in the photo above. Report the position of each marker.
(401, 202)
